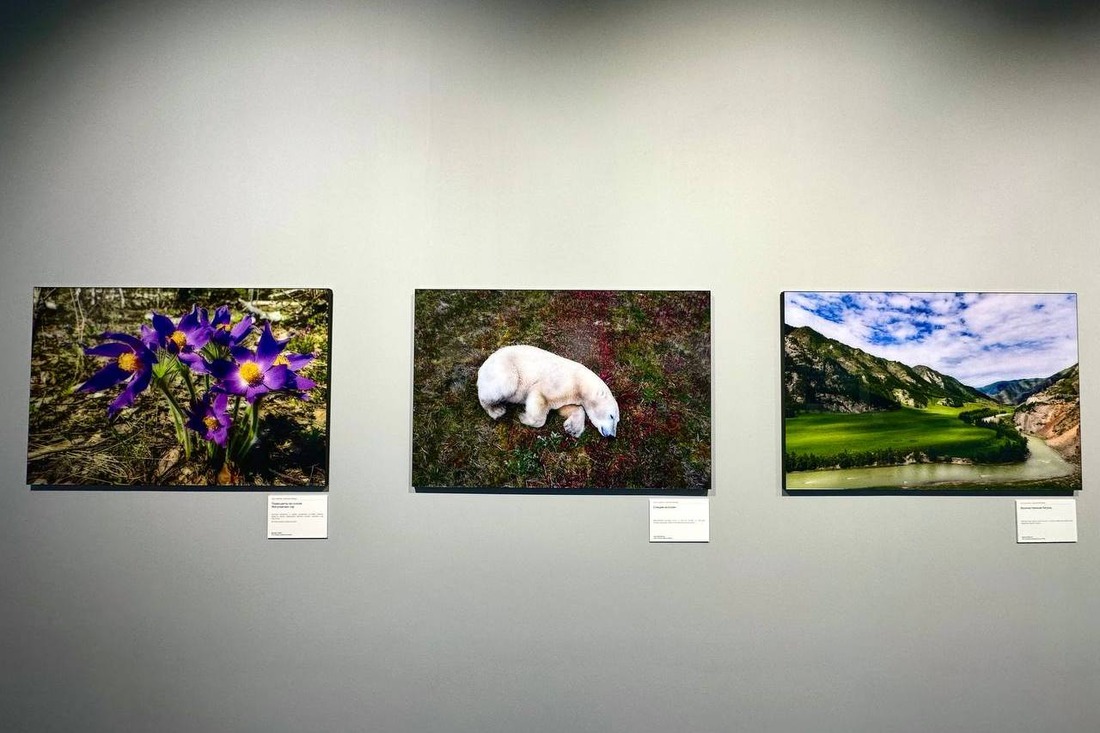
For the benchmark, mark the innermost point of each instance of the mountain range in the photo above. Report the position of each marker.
(1013, 391)
(1016, 391)
(822, 374)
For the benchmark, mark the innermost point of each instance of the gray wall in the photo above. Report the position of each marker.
(375, 150)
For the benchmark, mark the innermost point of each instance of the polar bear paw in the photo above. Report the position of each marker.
(533, 420)
(574, 420)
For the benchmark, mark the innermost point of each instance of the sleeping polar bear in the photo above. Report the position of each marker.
(542, 381)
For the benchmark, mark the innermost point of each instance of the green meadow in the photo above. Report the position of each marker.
(822, 440)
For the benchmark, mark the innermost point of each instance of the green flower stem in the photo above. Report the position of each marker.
(171, 397)
(177, 416)
(187, 380)
(245, 430)
(235, 432)
(254, 429)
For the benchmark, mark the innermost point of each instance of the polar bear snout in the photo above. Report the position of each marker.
(607, 423)
(603, 412)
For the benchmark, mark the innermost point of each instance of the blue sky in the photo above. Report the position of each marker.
(978, 338)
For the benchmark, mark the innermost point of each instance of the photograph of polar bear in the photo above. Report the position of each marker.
(542, 381)
(562, 390)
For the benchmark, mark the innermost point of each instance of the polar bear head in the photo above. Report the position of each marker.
(603, 411)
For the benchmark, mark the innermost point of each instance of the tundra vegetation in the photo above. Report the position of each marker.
(651, 348)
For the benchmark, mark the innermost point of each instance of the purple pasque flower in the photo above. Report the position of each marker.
(223, 332)
(254, 373)
(294, 362)
(183, 339)
(209, 417)
(131, 362)
(149, 337)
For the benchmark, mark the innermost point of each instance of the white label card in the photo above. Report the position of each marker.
(679, 520)
(1046, 520)
(297, 516)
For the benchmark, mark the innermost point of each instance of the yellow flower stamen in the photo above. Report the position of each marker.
(129, 362)
(211, 422)
(225, 326)
(251, 373)
(179, 338)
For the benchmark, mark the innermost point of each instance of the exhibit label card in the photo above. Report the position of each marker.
(297, 517)
(679, 520)
(1046, 520)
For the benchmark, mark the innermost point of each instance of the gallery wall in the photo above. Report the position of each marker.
(379, 148)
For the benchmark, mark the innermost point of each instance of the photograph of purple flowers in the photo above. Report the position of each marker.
(931, 392)
(562, 391)
(188, 387)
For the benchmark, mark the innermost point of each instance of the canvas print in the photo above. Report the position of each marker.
(931, 391)
(179, 387)
(562, 390)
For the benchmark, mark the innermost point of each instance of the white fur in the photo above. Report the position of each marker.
(542, 381)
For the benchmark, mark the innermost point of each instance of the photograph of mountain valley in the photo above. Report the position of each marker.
(896, 392)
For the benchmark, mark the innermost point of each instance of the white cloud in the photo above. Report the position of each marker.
(978, 338)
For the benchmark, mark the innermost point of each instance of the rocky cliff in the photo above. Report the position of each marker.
(1054, 414)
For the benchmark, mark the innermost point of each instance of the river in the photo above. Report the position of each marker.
(1043, 463)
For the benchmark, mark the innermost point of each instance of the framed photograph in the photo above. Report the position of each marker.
(598, 391)
(179, 388)
(904, 392)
